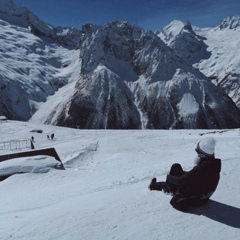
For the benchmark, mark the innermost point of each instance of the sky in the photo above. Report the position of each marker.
(102, 194)
(151, 14)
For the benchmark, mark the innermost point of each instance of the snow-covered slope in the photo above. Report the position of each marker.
(103, 192)
(223, 67)
(31, 69)
(217, 55)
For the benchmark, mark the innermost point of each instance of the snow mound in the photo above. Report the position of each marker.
(38, 164)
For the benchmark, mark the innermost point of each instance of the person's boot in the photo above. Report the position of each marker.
(154, 185)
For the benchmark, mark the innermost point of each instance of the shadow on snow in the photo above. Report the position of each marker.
(220, 212)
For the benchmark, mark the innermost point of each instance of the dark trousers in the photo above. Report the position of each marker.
(176, 170)
(183, 197)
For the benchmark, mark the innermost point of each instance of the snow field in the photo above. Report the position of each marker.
(103, 192)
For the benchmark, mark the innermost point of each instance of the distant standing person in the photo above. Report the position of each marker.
(52, 136)
(195, 187)
(32, 141)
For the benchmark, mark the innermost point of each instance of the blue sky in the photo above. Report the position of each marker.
(150, 14)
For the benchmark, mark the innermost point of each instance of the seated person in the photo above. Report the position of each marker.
(194, 187)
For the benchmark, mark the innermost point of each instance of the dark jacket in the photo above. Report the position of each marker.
(202, 180)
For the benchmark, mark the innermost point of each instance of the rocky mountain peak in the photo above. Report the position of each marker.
(13, 14)
(230, 22)
(184, 41)
(188, 26)
(114, 42)
(22, 17)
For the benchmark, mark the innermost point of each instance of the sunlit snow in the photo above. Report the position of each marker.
(188, 105)
(103, 192)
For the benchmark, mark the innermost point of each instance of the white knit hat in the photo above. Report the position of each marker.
(207, 146)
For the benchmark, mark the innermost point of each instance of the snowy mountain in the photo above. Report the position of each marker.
(185, 42)
(130, 79)
(116, 76)
(214, 51)
(22, 17)
(31, 69)
(102, 193)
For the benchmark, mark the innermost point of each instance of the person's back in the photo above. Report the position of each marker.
(209, 175)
